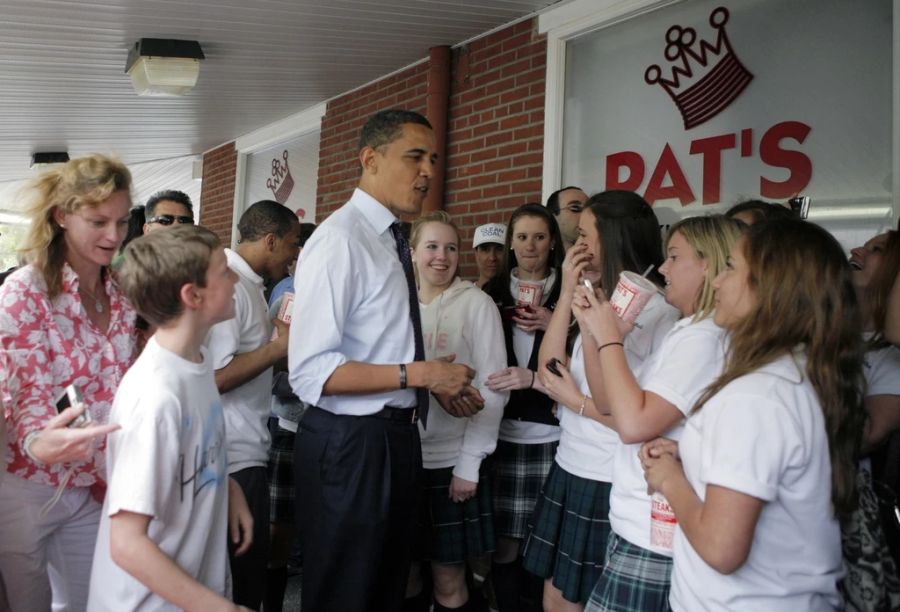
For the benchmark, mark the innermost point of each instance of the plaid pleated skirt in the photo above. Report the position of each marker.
(634, 579)
(453, 532)
(280, 472)
(568, 533)
(518, 471)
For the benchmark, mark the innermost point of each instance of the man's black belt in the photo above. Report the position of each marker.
(392, 413)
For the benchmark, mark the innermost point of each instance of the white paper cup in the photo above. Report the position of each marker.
(530, 293)
(662, 523)
(631, 294)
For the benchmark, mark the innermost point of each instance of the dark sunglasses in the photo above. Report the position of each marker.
(170, 219)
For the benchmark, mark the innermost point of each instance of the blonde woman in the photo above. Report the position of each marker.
(653, 400)
(457, 318)
(64, 322)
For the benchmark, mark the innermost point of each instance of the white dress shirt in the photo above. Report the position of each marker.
(351, 304)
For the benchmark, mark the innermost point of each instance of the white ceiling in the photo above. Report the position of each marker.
(63, 85)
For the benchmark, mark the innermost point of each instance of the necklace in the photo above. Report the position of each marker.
(98, 305)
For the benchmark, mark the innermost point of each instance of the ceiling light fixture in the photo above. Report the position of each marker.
(42, 160)
(164, 67)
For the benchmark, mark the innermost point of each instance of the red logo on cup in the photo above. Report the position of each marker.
(706, 78)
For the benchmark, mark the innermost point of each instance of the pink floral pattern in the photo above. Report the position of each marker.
(46, 345)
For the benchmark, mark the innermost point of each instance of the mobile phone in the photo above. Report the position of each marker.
(800, 206)
(71, 396)
(553, 366)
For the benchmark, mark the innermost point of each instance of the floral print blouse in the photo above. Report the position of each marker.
(44, 347)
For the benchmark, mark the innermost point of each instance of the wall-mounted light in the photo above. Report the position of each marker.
(164, 67)
(42, 160)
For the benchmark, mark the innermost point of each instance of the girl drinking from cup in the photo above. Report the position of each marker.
(567, 544)
(457, 318)
(767, 460)
(653, 400)
(526, 290)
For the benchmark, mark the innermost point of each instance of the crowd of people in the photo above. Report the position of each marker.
(178, 413)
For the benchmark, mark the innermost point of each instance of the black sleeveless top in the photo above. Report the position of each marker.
(525, 404)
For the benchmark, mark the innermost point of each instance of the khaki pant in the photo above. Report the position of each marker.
(50, 557)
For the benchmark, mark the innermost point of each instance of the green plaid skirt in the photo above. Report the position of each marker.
(568, 533)
(453, 532)
(519, 472)
(634, 579)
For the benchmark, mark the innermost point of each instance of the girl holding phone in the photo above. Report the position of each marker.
(567, 544)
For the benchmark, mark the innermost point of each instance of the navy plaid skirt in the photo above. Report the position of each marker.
(454, 532)
(280, 472)
(568, 533)
(518, 471)
(634, 579)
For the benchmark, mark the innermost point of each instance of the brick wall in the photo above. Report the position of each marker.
(217, 192)
(338, 162)
(495, 133)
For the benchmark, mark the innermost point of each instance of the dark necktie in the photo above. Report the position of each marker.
(406, 261)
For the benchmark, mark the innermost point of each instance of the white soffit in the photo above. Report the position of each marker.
(62, 66)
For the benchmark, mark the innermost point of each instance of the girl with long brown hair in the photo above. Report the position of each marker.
(768, 456)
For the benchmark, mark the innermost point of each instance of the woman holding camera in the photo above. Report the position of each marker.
(64, 326)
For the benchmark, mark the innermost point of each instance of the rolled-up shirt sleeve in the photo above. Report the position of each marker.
(324, 296)
(488, 356)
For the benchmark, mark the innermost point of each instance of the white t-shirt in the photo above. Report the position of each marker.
(247, 405)
(690, 358)
(764, 435)
(586, 447)
(513, 430)
(168, 462)
(881, 368)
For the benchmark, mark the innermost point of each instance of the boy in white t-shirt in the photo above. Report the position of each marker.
(170, 501)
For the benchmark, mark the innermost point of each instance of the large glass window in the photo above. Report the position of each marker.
(703, 103)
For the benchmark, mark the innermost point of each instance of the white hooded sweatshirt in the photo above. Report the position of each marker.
(465, 321)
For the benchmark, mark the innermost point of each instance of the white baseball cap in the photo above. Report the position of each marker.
(489, 232)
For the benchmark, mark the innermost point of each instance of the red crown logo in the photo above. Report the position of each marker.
(706, 78)
(281, 183)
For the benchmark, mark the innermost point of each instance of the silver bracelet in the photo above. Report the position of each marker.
(29, 440)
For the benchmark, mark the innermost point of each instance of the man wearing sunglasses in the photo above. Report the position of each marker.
(566, 205)
(168, 209)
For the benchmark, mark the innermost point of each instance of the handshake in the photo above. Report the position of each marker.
(451, 385)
